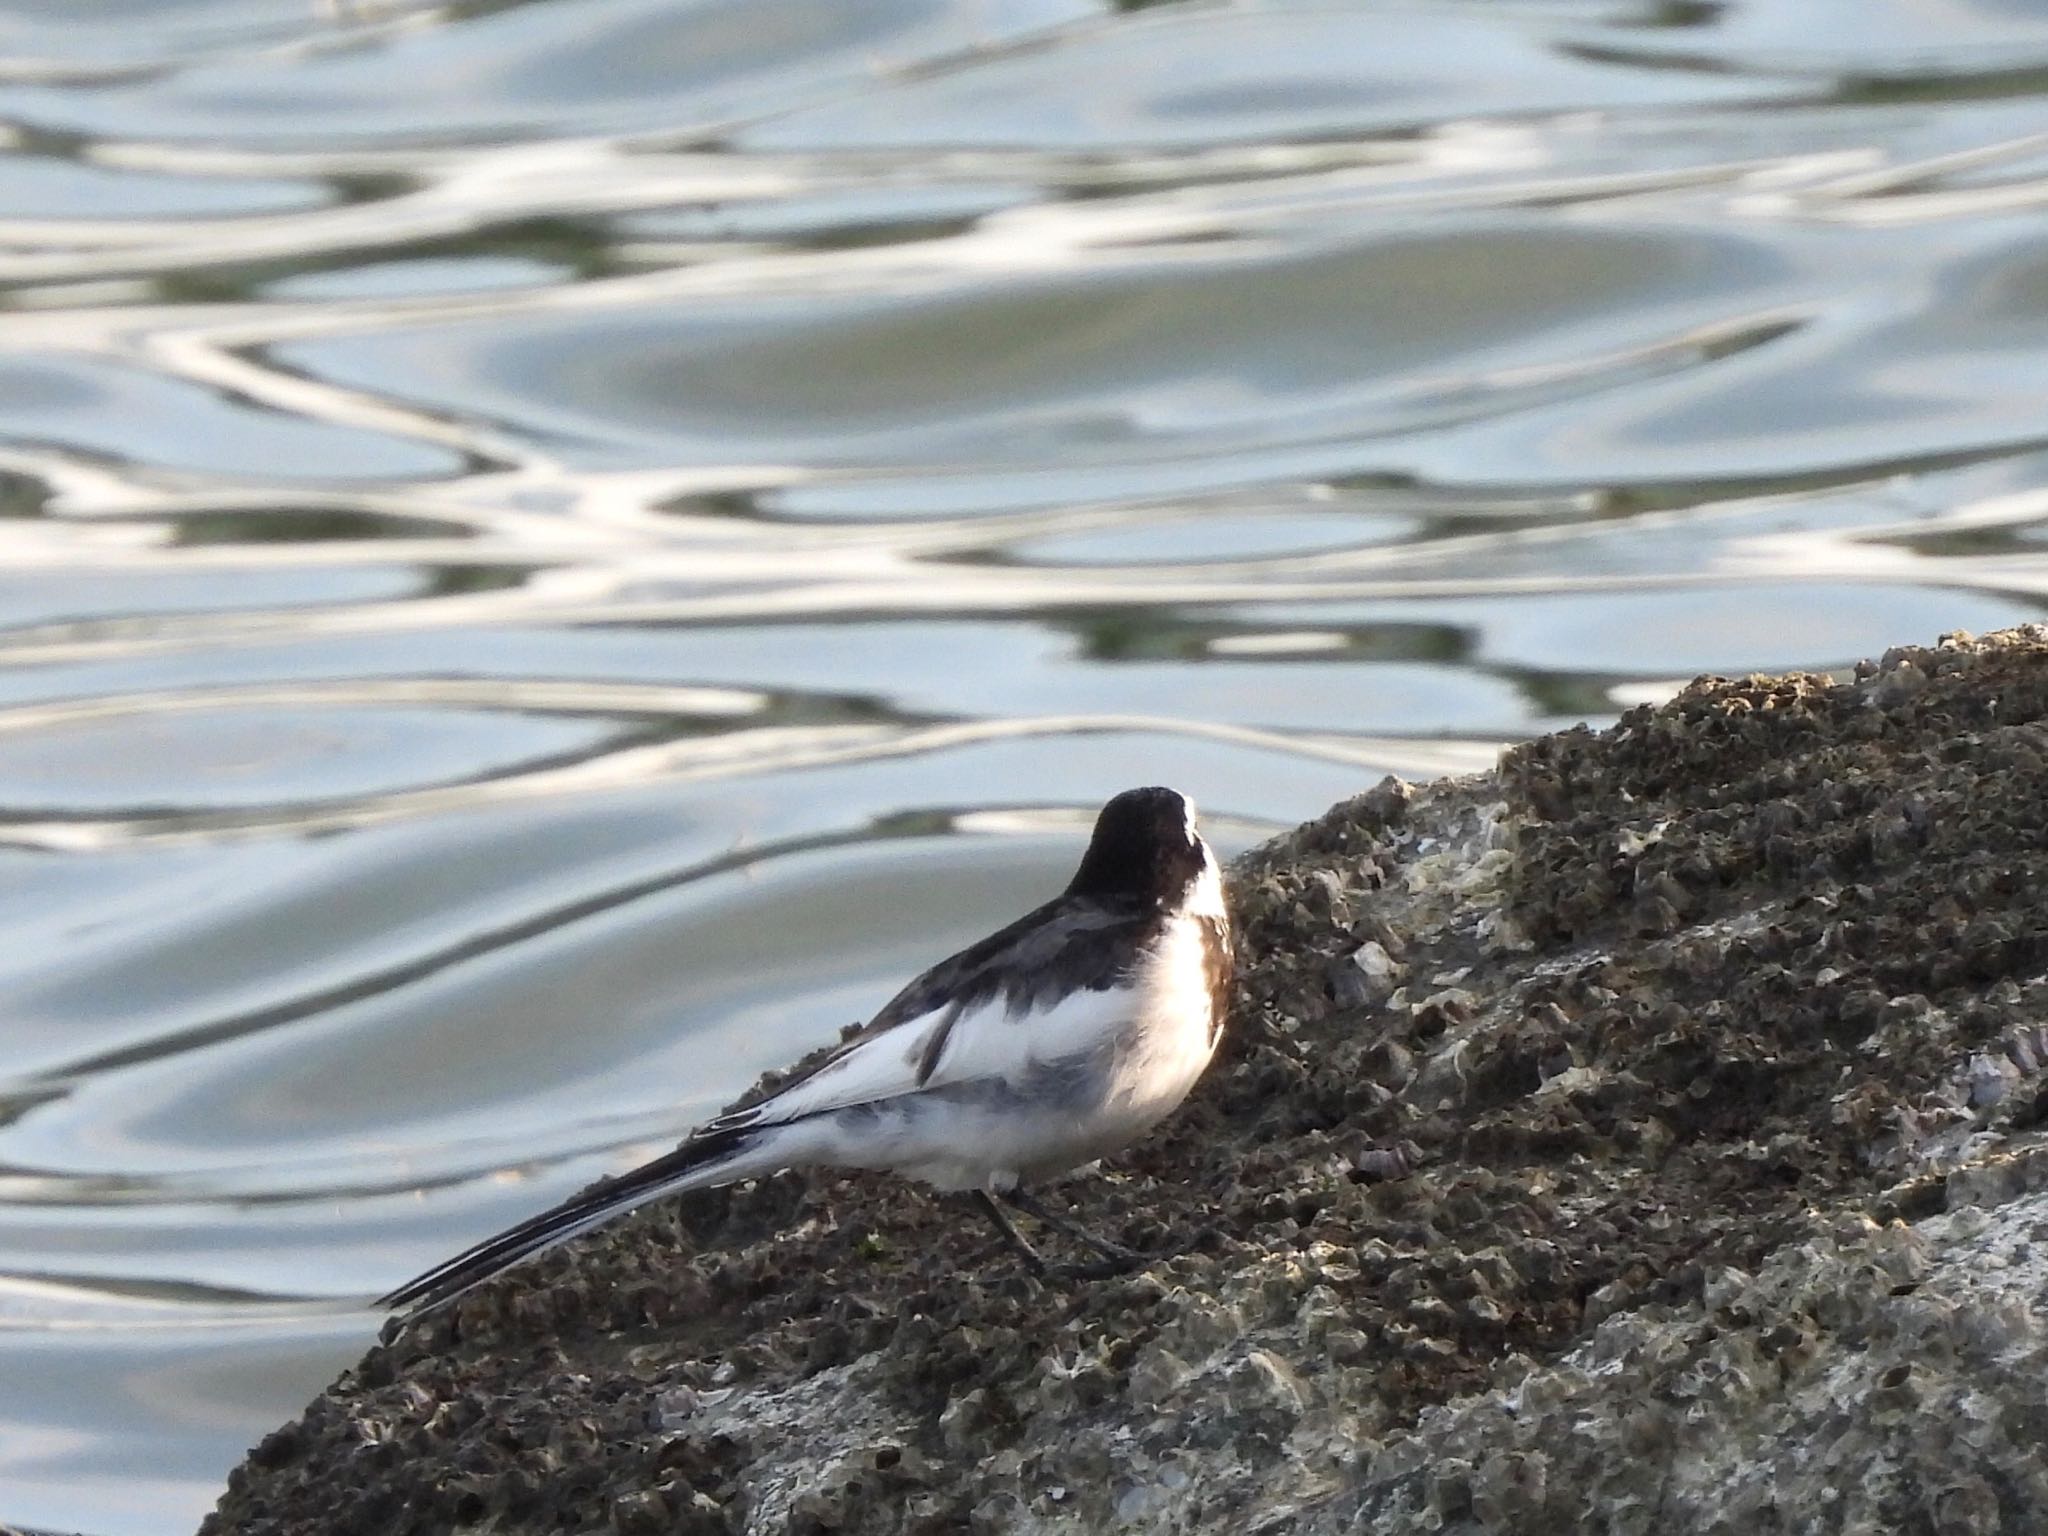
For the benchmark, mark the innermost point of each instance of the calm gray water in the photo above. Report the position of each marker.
(550, 552)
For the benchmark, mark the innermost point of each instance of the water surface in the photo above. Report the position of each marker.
(551, 552)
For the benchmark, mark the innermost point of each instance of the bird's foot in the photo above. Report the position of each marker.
(1104, 1268)
(1116, 1259)
(1111, 1258)
(1033, 1259)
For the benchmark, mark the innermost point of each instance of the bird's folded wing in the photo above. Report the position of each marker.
(1046, 987)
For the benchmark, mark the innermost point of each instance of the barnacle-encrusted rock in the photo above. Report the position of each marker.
(1643, 1138)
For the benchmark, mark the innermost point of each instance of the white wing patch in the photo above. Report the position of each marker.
(990, 1042)
(984, 1042)
(881, 1067)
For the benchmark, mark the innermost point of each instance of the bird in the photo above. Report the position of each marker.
(1039, 1049)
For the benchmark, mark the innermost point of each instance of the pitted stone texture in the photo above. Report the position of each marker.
(1643, 1138)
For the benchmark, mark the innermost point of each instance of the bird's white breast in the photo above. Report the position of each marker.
(1170, 1034)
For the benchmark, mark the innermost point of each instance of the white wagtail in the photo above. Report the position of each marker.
(1047, 1045)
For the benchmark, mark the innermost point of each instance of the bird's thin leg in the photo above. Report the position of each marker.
(1116, 1253)
(1010, 1233)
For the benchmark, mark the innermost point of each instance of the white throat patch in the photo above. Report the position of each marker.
(1205, 896)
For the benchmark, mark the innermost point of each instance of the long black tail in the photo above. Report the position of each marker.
(593, 1207)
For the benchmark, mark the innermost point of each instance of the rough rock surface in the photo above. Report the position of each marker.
(1643, 1138)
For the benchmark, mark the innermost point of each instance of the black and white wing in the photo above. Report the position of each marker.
(1049, 985)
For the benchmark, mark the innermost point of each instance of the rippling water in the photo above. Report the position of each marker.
(550, 551)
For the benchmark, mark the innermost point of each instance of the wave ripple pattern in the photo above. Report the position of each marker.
(551, 550)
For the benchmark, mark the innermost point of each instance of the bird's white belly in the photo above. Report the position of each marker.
(1138, 1075)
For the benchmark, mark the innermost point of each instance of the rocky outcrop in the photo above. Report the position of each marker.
(1645, 1137)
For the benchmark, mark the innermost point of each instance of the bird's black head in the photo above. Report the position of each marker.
(1145, 845)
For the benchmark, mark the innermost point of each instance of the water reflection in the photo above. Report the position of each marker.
(551, 551)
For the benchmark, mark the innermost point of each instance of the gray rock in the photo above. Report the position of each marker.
(1678, 1167)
